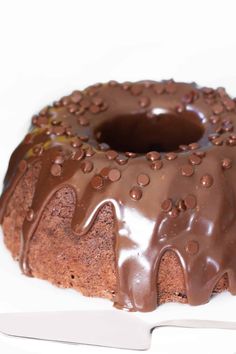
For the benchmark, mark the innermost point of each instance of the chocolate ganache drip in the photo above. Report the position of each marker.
(162, 154)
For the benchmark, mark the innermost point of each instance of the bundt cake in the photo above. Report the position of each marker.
(126, 191)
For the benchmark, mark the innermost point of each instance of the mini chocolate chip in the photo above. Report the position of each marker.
(121, 159)
(126, 86)
(111, 154)
(226, 163)
(113, 83)
(86, 166)
(157, 165)
(105, 172)
(56, 170)
(135, 193)
(97, 182)
(114, 175)
(171, 156)
(181, 205)
(214, 119)
(190, 201)
(59, 159)
(217, 108)
(143, 179)
(193, 146)
(72, 108)
(136, 89)
(167, 205)
(30, 215)
(144, 101)
(174, 212)
(76, 96)
(130, 154)
(103, 146)
(192, 247)
(58, 130)
(76, 142)
(98, 101)
(82, 120)
(159, 88)
(85, 103)
(84, 138)
(153, 155)
(22, 166)
(94, 109)
(65, 101)
(194, 159)
(38, 149)
(187, 170)
(231, 142)
(170, 86)
(217, 141)
(200, 153)
(28, 139)
(184, 147)
(207, 181)
(78, 155)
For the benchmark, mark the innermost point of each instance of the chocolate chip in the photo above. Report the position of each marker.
(170, 86)
(217, 141)
(76, 96)
(28, 139)
(76, 142)
(171, 156)
(30, 215)
(97, 101)
(85, 103)
(78, 155)
(94, 109)
(72, 108)
(190, 201)
(111, 154)
(217, 108)
(194, 159)
(193, 146)
(56, 170)
(136, 89)
(174, 212)
(167, 205)
(82, 120)
(159, 88)
(192, 247)
(58, 130)
(136, 193)
(113, 83)
(65, 101)
(59, 159)
(207, 181)
(121, 159)
(157, 165)
(97, 182)
(130, 154)
(187, 170)
(86, 166)
(200, 153)
(181, 205)
(89, 151)
(22, 166)
(144, 101)
(184, 147)
(214, 119)
(143, 179)
(231, 142)
(153, 155)
(226, 163)
(114, 175)
(105, 172)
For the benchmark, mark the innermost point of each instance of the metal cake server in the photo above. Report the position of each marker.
(116, 329)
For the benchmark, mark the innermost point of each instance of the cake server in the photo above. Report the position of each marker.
(116, 329)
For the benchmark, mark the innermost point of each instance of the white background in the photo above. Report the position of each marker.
(49, 48)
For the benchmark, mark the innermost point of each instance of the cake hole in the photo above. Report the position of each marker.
(162, 132)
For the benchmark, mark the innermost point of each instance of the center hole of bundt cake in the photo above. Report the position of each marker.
(140, 133)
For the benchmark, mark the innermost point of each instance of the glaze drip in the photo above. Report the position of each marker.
(180, 199)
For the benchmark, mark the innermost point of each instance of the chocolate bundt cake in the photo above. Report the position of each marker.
(126, 191)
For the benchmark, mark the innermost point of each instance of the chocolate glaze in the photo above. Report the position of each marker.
(179, 197)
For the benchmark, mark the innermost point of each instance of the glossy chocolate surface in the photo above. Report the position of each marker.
(162, 154)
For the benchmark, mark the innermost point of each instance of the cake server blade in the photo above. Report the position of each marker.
(116, 329)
